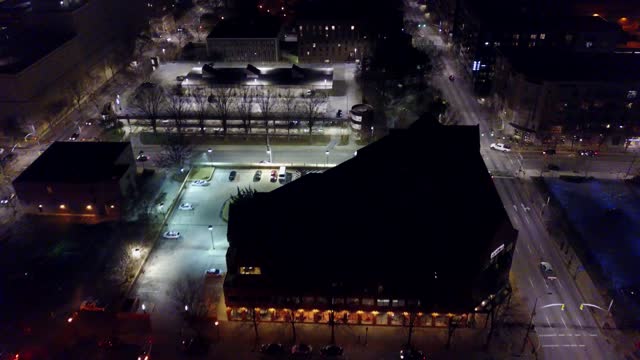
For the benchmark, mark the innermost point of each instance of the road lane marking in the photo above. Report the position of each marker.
(527, 218)
(515, 207)
(565, 324)
(564, 345)
(529, 247)
(548, 322)
(531, 283)
(581, 327)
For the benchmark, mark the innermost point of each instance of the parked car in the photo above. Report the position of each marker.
(500, 147)
(171, 235)
(272, 349)
(257, 176)
(213, 272)
(301, 350)
(185, 206)
(7, 199)
(200, 183)
(180, 78)
(549, 152)
(74, 137)
(92, 305)
(589, 153)
(232, 175)
(547, 271)
(339, 113)
(412, 354)
(332, 351)
(274, 176)
(142, 158)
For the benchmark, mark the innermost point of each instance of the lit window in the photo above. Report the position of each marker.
(307, 53)
(300, 27)
(534, 36)
(353, 27)
(314, 45)
(542, 36)
(326, 28)
(333, 27)
(397, 303)
(367, 302)
(250, 270)
(588, 44)
(631, 94)
(383, 302)
(339, 45)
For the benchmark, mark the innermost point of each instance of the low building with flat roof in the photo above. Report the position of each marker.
(85, 180)
(377, 237)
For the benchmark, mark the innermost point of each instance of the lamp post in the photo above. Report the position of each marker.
(217, 324)
(269, 154)
(211, 233)
(327, 153)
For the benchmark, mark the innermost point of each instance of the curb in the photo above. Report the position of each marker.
(156, 236)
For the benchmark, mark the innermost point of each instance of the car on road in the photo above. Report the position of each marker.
(213, 272)
(549, 152)
(412, 354)
(332, 351)
(272, 349)
(142, 158)
(200, 183)
(257, 176)
(339, 113)
(301, 350)
(232, 175)
(74, 137)
(547, 271)
(180, 78)
(7, 199)
(274, 176)
(171, 234)
(92, 305)
(500, 147)
(586, 152)
(185, 206)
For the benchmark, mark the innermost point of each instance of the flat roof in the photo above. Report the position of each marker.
(290, 76)
(556, 65)
(418, 204)
(76, 162)
(251, 28)
(27, 48)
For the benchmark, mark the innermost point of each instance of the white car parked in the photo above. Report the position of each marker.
(171, 235)
(500, 147)
(185, 206)
(200, 183)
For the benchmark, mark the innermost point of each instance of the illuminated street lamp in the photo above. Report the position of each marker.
(211, 233)
(327, 153)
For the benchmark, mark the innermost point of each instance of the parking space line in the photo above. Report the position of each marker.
(530, 281)
(548, 322)
(565, 324)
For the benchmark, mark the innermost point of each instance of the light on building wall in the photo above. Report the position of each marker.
(353, 27)
(333, 27)
(63, 206)
(89, 207)
(40, 206)
(112, 206)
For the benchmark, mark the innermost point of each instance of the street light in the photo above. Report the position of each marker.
(327, 153)
(211, 233)
(269, 153)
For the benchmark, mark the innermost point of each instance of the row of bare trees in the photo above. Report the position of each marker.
(153, 102)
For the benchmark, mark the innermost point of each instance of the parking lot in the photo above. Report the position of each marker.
(191, 254)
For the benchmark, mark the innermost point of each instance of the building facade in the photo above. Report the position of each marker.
(86, 181)
(333, 274)
(247, 40)
(324, 41)
(578, 98)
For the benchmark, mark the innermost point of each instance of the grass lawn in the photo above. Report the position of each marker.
(201, 173)
(158, 139)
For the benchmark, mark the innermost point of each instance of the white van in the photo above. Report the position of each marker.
(282, 174)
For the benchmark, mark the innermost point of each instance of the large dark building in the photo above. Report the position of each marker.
(245, 39)
(82, 180)
(376, 238)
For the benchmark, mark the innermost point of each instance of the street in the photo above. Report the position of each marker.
(563, 330)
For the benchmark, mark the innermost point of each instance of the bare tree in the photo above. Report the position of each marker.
(189, 295)
(150, 100)
(267, 99)
(178, 107)
(244, 105)
(222, 100)
(176, 151)
(311, 106)
(77, 90)
(289, 104)
(201, 106)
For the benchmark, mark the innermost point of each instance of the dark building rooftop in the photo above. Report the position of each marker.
(574, 66)
(403, 216)
(251, 75)
(260, 27)
(557, 24)
(76, 162)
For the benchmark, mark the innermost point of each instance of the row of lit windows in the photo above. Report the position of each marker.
(88, 207)
(319, 27)
(320, 300)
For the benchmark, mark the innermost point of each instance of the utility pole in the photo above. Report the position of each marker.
(526, 336)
